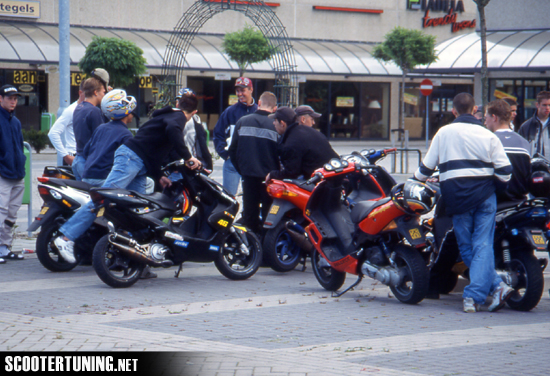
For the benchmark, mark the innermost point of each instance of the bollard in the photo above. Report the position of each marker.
(27, 196)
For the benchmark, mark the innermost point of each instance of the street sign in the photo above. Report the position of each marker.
(426, 87)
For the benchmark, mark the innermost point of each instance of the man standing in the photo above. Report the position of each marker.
(497, 120)
(514, 108)
(225, 126)
(12, 170)
(306, 116)
(470, 158)
(86, 118)
(253, 151)
(536, 130)
(302, 149)
(62, 133)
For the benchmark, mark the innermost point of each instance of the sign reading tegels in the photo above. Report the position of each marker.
(24, 9)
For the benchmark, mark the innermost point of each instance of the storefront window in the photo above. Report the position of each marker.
(375, 110)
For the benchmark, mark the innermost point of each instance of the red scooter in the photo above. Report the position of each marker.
(284, 246)
(382, 239)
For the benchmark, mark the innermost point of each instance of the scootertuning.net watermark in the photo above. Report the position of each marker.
(68, 363)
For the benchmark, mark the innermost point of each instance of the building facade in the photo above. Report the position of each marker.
(332, 40)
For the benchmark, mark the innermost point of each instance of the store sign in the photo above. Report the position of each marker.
(411, 99)
(77, 78)
(146, 82)
(26, 88)
(24, 77)
(498, 94)
(21, 9)
(223, 77)
(451, 7)
(345, 102)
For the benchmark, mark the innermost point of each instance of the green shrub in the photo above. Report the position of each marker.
(37, 139)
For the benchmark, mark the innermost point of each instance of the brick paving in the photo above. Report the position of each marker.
(271, 324)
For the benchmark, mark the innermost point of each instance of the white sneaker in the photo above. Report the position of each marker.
(500, 296)
(66, 249)
(470, 306)
(4, 251)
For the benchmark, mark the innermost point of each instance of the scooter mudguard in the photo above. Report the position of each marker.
(413, 232)
(46, 213)
(277, 211)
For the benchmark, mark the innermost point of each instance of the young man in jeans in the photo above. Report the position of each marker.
(139, 156)
(470, 158)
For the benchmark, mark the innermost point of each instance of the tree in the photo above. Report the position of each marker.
(481, 4)
(123, 60)
(246, 47)
(407, 49)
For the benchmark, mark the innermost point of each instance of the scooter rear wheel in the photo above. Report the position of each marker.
(280, 250)
(414, 286)
(530, 281)
(114, 267)
(328, 277)
(233, 263)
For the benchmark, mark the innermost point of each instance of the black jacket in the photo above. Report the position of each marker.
(302, 151)
(156, 138)
(199, 147)
(253, 149)
(517, 151)
(530, 130)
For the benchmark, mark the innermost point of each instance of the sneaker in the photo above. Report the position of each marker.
(66, 249)
(2, 261)
(470, 306)
(147, 273)
(500, 296)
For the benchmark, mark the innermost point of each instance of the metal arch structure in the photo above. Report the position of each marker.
(283, 60)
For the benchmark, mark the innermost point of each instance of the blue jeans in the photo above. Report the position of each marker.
(231, 177)
(475, 231)
(128, 172)
(78, 167)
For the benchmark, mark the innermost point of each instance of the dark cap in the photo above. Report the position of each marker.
(285, 114)
(243, 82)
(306, 110)
(8, 90)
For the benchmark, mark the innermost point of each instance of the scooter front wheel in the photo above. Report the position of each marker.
(114, 267)
(233, 263)
(415, 278)
(328, 277)
(280, 250)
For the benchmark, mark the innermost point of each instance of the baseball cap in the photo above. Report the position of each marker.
(285, 114)
(102, 75)
(8, 90)
(243, 82)
(306, 110)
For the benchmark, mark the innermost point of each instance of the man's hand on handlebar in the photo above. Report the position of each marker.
(193, 163)
(165, 182)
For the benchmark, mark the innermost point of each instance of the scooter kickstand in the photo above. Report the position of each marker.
(177, 274)
(303, 261)
(337, 295)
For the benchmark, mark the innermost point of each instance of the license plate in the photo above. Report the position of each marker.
(539, 241)
(44, 210)
(100, 212)
(415, 233)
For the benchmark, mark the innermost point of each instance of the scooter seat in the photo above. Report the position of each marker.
(72, 183)
(160, 199)
(363, 208)
(508, 204)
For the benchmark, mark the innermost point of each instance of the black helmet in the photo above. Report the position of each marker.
(414, 197)
(539, 184)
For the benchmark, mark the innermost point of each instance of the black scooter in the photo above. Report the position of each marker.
(191, 221)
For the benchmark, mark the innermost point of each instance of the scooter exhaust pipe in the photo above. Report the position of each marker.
(387, 275)
(136, 251)
(298, 234)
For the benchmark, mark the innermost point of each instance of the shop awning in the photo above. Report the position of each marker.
(524, 50)
(34, 43)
